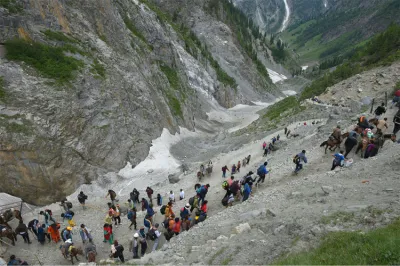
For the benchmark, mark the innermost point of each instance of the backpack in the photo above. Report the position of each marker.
(191, 201)
(223, 169)
(296, 159)
(162, 210)
(152, 234)
(49, 212)
(130, 215)
(69, 204)
(225, 184)
(151, 191)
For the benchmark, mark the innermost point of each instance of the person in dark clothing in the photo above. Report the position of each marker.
(380, 110)
(113, 196)
(22, 230)
(41, 234)
(145, 204)
(159, 200)
(297, 160)
(119, 249)
(132, 218)
(32, 226)
(82, 198)
(350, 143)
(396, 121)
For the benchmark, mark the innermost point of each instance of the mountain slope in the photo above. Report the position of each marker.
(86, 86)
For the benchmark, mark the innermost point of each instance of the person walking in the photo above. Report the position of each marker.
(396, 121)
(261, 172)
(112, 195)
(142, 241)
(85, 234)
(297, 160)
(41, 234)
(109, 218)
(66, 233)
(22, 230)
(350, 143)
(149, 192)
(132, 217)
(380, 110)
(53, 230)
(181, 194)
(238, 167)
(134, 246)
(224, 169)
(33, 226)
(117, 215)
(108, 233)
(381, 126)
(157, 236)
(117, 251)
(171, 196)
(168, 210)
(82, 199)
(246, 190)
(159, 200)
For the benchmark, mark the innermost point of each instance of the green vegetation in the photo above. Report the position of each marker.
(218, 253)
(134, 30)
(97, 69)
(49, 61)
(171, 75)
(246, 31)
(2, 91)
(12, 6)
(103, 38)
(383, 49)
(17, 128)
(58, 36)
(192, 44)
(377, 247)
(226, 261)
(338, 217)
(174, 104)
(286, 107)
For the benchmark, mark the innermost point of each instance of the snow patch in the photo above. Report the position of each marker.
(289, 93)
(159, 159)
(304, 67)
(275, 76)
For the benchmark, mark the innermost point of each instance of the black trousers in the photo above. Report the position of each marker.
(117, 219)
(133, 223)
(348, 150)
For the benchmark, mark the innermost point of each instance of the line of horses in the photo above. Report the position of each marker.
(379, 140)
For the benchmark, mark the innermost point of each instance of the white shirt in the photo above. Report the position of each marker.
(182, 194)
(171, 196)
(158, 234)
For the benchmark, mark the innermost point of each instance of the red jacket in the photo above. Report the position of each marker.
(204, 208)
(177, 227)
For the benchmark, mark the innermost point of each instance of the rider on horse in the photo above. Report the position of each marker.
(337, 134)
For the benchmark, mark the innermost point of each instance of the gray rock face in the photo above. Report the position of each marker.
(173, 178)
(55, 137)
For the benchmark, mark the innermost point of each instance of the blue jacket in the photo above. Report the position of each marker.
(339, 157)
(302, 157)
(67, 235)
(247, 189)
(150, 211)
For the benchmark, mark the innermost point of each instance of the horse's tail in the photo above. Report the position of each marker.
(324, 143)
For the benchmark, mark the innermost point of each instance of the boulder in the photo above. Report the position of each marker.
(242, 228)
(173, 178)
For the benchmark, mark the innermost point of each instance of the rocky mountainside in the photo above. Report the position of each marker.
(86, 85)
(267, 14)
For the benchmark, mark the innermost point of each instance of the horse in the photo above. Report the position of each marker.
(9, 214)
(332, 142)
(10, 234)
(74, 252)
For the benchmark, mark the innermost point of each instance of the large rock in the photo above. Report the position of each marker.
(173, 178)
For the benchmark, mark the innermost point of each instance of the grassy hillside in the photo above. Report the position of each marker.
(323, 35)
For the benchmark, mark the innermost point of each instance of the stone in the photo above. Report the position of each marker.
(270, 213)
(242, 228)
(222, 238)
(388, 190)
(279, 229)
(296, 194)
(359, 90)
(150, 171)
(327, 189)
(173, 178)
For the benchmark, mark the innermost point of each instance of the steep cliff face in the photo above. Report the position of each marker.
(86, 85)
(267, 14)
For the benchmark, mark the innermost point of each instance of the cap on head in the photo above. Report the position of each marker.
(136, 235)
(12, 209)
(156, 225)
(303, 151)
(208, 185)
(266, 163)
(187, 205)
(69, 228)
